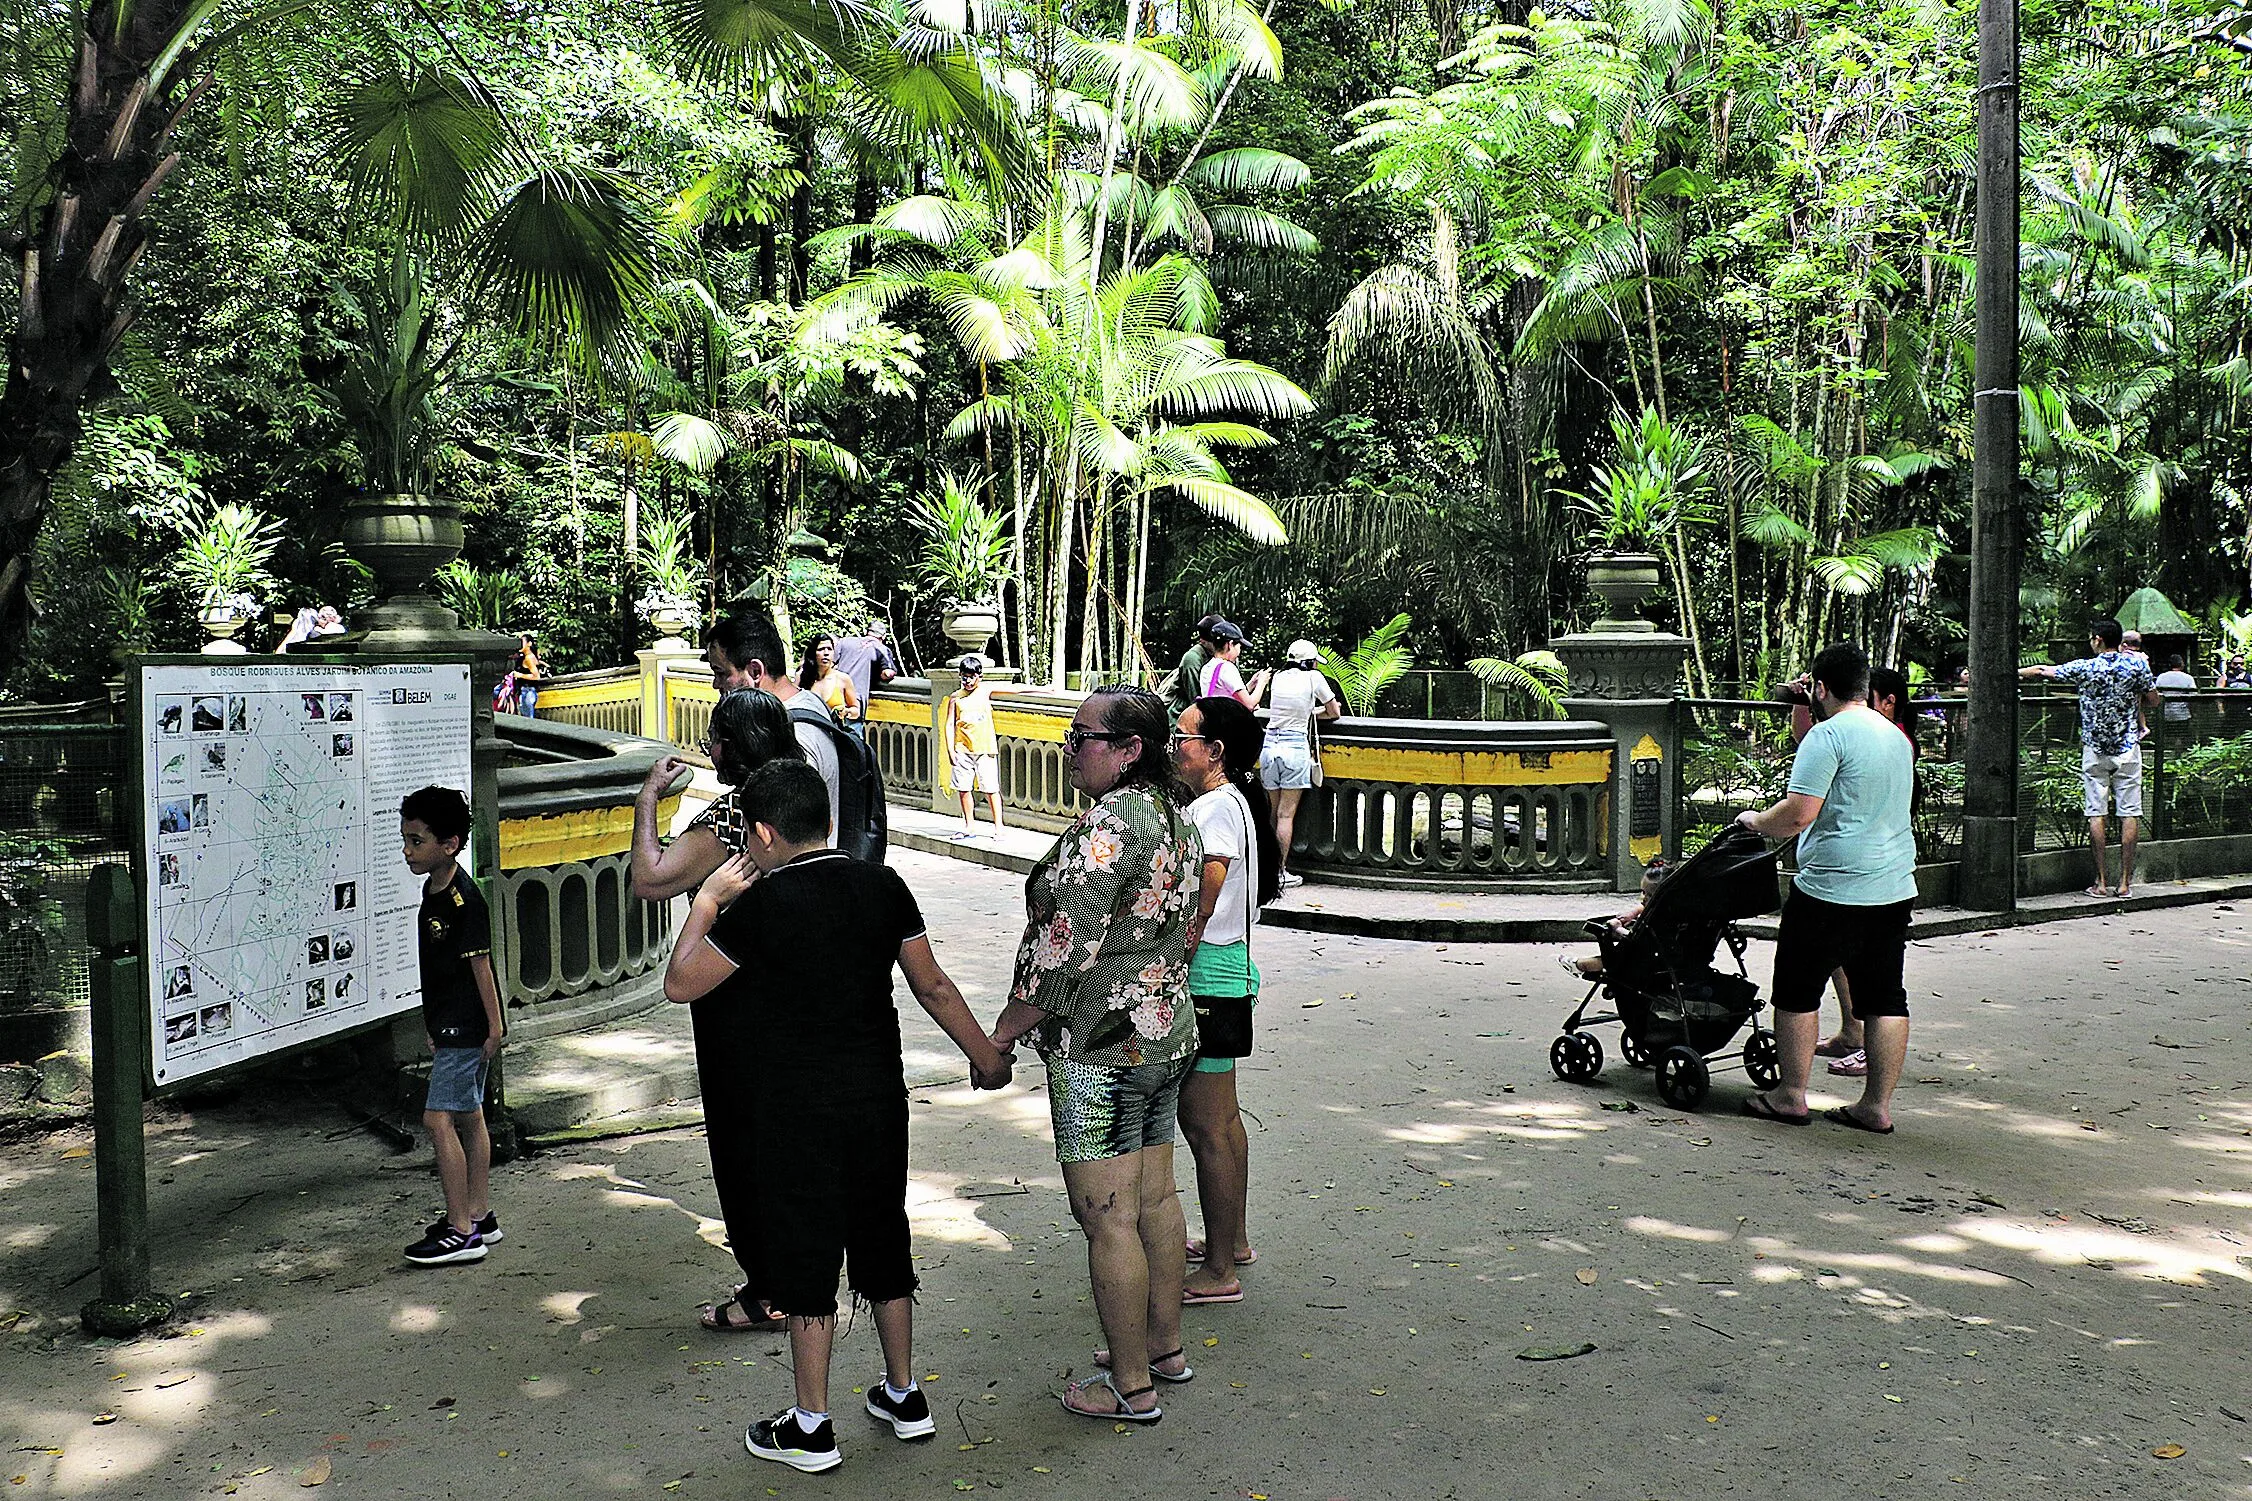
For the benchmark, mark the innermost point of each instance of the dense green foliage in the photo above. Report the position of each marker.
(1315, 315)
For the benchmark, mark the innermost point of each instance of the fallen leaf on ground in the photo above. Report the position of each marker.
(1554, 1352)
(1309, 1005)
(1626, 1105)
(1586, 1276)
(101, 1418)
(176, 1381)
(1213, 1343)
(71, 1152)
(317, 1472)
(2168, 1451)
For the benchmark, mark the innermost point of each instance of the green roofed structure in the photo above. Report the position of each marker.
(2165, 631)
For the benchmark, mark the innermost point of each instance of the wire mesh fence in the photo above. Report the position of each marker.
(62, 815)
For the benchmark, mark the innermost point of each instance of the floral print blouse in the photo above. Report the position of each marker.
(1105, 950)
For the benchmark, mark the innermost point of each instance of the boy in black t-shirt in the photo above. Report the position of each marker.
(803, 938)
(461, 1009)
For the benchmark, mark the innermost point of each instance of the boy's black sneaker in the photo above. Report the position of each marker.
(488, 1228)
(447, 1245)
(780, 1438)
(909, 1416)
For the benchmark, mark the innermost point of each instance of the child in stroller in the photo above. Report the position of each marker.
(1676, 1011)
(1591, 966)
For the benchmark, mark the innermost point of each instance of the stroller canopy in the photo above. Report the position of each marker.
(1733, 877)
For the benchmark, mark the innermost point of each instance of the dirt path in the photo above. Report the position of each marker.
(2029, 1289)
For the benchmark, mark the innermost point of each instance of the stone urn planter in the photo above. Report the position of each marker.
(1622, 580)
(404, 540)
(971, 626)
(221, 626)
(673, 627)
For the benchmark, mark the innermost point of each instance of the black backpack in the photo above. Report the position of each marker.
(862, 822)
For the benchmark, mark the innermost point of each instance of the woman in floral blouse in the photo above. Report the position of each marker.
(1102, 989)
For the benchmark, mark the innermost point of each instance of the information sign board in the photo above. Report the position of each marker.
(278, 908)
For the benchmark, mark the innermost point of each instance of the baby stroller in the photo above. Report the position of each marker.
(1675, 1010)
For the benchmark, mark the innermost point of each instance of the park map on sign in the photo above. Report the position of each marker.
(279, 910)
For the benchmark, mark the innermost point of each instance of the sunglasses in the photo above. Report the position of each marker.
(1075, 738)
(1180, 738)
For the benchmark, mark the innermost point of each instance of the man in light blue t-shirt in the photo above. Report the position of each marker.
(1851, 784)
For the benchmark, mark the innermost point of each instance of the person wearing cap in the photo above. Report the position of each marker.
(971, 748)
(1222, 677)
(1181, 688)
(1297, 697)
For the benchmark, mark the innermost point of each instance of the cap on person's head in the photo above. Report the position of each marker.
(1223, 631)
(1303, 650)
(971, 666)
(1204, 626)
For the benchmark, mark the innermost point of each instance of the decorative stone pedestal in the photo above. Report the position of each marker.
(1629, 681)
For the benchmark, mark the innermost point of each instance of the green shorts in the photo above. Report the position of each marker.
(1224, 984)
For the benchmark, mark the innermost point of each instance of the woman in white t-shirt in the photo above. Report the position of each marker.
(1222, 676)
(1214, 752)
(1297, 697)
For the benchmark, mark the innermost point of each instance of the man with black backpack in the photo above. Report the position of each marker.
(745, 651)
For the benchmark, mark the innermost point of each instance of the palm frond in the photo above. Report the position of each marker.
(569, 258)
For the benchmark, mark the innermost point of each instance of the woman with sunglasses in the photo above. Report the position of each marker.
(1216, 751)
(749, 729)
(1102, 988)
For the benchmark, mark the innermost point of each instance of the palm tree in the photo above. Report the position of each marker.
(480, 229)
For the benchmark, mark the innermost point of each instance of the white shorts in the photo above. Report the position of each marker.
(1286, 764)
(976, 773)
(2105, 778)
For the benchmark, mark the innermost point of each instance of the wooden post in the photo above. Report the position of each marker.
(1988, 880)
(127, 1303)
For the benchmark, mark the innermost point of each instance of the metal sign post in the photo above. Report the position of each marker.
(127, 1304)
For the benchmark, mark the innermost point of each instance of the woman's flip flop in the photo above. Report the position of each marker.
(1197, 1253)
(1120, 1408)
(1186, 1375)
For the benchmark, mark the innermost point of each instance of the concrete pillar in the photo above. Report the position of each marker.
(656, 663)
(1629, 682)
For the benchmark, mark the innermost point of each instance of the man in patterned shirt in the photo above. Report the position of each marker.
(2114, 686)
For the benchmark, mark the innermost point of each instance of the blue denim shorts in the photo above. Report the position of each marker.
(457, 1080)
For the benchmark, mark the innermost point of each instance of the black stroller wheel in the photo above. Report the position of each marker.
(1576, 1056)
(1682, 1078)
(1763, 1061)
(1632, 1050)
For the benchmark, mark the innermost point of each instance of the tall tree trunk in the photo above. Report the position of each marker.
(73, 268)
(801, 211)
(863, 212)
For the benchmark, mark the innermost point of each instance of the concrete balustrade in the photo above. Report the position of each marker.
(1446, 804)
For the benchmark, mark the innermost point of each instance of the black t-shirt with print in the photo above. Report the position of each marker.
(814, 944)
(453, 927)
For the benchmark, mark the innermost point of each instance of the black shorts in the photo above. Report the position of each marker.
(1869, 943)
(831, 1194)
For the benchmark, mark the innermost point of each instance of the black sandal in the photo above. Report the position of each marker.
(761, 1321)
